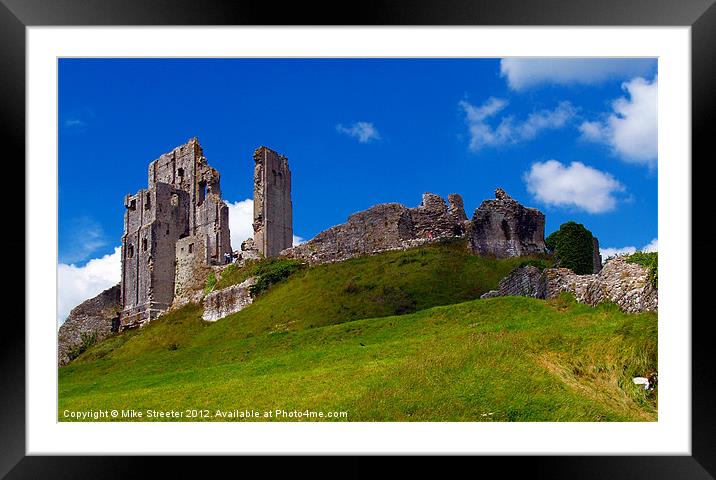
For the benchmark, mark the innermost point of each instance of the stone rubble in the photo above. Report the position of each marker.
(220, 303)
(620, 282)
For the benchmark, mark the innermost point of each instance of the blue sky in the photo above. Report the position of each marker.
(574, 138)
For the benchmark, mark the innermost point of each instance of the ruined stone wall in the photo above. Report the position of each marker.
(96, 317)
(182, 201)
(620, 282)
(521, 282)
(185, 168)
(504, 228)
(154, 220)
(213, 225)
(273, 217)
(596, 255)
(191, 265)
(500, 228)
(384, 227)
(221, 303)
(434, 218)
(136, 268)
(181, 168)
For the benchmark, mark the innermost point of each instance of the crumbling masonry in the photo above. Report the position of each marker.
(178, 227)
(173, 229)
(273, 223)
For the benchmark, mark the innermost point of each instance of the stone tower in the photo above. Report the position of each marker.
(175, 227)
(273, 223)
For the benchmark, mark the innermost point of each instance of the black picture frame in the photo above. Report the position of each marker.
(16, 15)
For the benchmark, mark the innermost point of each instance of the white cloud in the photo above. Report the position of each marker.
(576, 185)
(77, 284)
(631, 129)
(509, 131)
(363, 131)
(611, 252)
(652, 246)
(524, 73)
(241, 221)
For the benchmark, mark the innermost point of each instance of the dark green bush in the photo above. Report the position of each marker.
(648, 260)
(540, 263)
(573, 247)
(272, 271)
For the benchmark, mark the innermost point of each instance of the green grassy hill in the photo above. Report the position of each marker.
(398, 336)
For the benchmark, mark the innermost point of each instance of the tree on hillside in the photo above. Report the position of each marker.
(572, 247)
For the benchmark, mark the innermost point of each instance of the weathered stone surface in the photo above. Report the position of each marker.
(384, 227)
(456, 207)
(521, 282)
(620, 282)
(273, 222)
(221, 303)
(173, 230)
(596, 256)
(504, 228)
(248, 252)
(434, 219)
(94, 317)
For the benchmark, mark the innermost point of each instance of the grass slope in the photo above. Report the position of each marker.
(303, 345)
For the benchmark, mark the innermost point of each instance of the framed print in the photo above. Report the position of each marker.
(430, 230)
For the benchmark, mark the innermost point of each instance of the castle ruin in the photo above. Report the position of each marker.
(177, 228)
(500, 227)
(273, 223)
(173, 229)
(176, 231)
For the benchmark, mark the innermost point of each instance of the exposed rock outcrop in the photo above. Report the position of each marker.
(505, 228)
(92, 319)
(620, 282)
(388, 226)
(221, 303)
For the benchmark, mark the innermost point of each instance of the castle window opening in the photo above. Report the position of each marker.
(191, 248)
(130, 251)
(180, 172)
(133, 204)
(144, 244)
(147, 201)
(202, 192)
